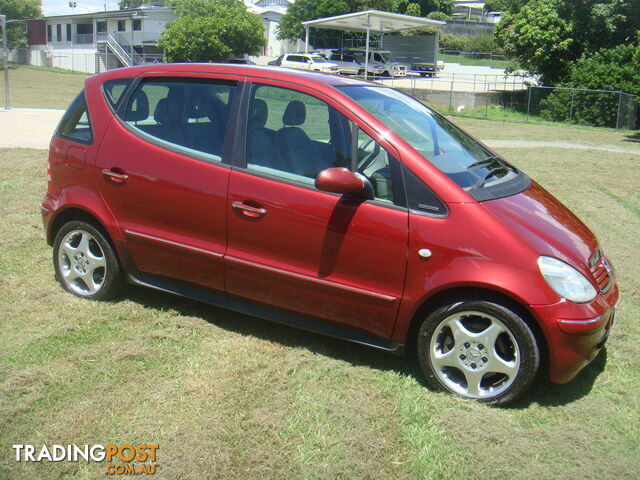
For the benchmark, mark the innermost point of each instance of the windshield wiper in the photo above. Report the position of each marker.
(480, 183)
(485, 162)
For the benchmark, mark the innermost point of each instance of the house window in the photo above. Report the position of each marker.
(49, 34)
(137, 25)
(59, 32)
(101, 27)
(122, 26)
(68, 32)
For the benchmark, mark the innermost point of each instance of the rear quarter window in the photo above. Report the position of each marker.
(76, 123)
(114, 91)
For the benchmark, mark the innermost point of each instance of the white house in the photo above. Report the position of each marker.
(98, 41)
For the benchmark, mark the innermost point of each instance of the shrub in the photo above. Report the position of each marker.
(608, 69)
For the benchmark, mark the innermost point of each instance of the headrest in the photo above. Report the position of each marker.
(294, 114)
(259, 113)
(167, 112)
(199, 105)
(138, 108)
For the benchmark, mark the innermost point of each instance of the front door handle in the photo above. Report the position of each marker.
(250, 211)
(115, 176)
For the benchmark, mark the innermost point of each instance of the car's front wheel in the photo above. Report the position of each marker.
(85, 263)
(478, 349)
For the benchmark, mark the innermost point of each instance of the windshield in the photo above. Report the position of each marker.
(386, 57)
(455, 153)
(317, 59)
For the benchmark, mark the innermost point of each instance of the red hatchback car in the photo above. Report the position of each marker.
(331, 204)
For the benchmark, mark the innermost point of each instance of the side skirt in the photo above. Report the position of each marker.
(265, 312)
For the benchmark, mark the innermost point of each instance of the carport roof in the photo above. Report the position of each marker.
(376, 20)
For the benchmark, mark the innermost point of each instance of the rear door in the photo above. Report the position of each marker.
(163, 172)
(295, 247)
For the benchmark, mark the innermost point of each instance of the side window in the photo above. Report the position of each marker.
(191, 116)
(381, 169)
(76, 124)
(294, 135)
(114, 90)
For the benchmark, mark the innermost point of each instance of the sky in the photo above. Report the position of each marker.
(61, 7)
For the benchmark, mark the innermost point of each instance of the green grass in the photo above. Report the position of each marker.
(484, 62)
(232, 397)
(496, 129)
(41, 87)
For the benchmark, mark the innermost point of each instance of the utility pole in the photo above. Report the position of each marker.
(5, 56)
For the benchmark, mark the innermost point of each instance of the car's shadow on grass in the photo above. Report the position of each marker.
(634, 137)
(542, 392)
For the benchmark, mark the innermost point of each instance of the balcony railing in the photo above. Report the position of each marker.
(83, 39)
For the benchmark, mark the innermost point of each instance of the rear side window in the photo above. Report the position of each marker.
(114, 90)
(76, 124)
(191, 115)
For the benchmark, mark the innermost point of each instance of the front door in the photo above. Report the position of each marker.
(295, 247)
(162, 173)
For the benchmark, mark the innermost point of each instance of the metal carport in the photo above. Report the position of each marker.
(375, 21)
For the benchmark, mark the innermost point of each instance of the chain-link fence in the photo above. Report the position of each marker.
(79, 60)
(512, 98)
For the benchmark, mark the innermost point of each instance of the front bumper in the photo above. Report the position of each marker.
(576, 333)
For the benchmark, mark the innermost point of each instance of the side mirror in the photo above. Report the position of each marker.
(342, 180)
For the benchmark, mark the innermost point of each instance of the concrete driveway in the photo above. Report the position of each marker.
(27, 127)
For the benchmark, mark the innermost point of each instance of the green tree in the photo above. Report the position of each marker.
(16, 10)
(211, 30)
(413, 9)
(290, 26)
(547, 36)
(539, 38)
(426, 6)
(504, 5)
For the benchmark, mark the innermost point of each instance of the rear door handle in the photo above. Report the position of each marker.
(115, 177)
(248, 210)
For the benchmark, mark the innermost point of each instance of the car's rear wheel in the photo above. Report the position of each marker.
(85, 263)
(478, 349)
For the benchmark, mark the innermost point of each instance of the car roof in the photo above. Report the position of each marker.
(256, 71)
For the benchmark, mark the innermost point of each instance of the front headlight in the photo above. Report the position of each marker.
(565, 280)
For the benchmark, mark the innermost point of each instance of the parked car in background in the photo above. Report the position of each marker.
(352, 63)
(381, 61)
(308, 61)
(331, 204)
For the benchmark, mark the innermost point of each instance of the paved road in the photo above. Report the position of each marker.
(32, 128)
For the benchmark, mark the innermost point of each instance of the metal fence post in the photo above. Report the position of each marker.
(529, 103)
(5, 56)
(451, 91)
(619, 109)
(573, 93)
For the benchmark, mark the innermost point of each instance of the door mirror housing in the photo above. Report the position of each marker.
(342, 180)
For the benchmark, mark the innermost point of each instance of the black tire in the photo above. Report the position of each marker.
(88, 270)
(495, 349)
